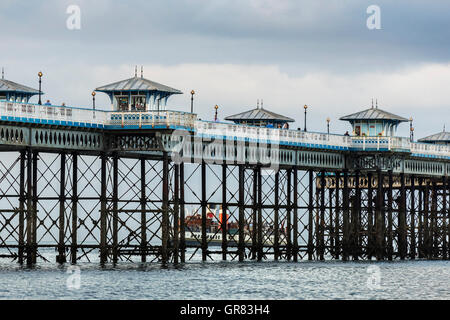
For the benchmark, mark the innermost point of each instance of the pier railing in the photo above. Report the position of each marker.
(35, 113)
(270, 135)
(174, 119)
(63, 115)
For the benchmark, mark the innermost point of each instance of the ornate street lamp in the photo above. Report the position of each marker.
(40, 74)
(192, 101)
(215, 116)
(328, 125)
(306, 108)
(93, 101)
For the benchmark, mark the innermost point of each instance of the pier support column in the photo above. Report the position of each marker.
(345, 217)
(35, 203)
(420, 208)
(379, 217)
(115, 200)
(241, 244)
(370, 250)
(61, 257)
(260, 219)
(254, 212)
(73, 249)
(204, 244)
(295, 224)
(321, 224)
(412, 251)
(143, 211)
(22, 203)
(390, 239)
(310, 214)
(103, 212)
(176, 213)
(402, 239)
(224, 222)
(165, 211)
(426, 213)
(29, 215)
(447, 216)
(276, 235)
(182, 216)
(337, 208)
(356, 219)
(444, 217)
(288, 215)
(434, 245)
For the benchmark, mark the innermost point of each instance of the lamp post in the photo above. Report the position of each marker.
(40, 74)
(328, 125)
(192, 101)
(411, 130)
(306, 108)
(93, 101)
(215, 116)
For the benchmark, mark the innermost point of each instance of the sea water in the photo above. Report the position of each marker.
(224, 280)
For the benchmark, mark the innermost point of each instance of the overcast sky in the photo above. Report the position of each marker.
(233, 52)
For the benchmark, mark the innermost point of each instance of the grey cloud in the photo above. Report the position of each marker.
(307, 35)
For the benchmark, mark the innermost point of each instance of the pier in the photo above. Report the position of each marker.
(124, 183)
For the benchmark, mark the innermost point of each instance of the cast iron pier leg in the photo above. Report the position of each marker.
(61, 258)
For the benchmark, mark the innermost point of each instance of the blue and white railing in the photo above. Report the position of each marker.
(251, 134)
(89, 118)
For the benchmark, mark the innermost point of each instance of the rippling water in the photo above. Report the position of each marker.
(232, 280)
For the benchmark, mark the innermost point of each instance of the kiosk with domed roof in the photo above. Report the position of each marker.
(374, 122)
(138, 94)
